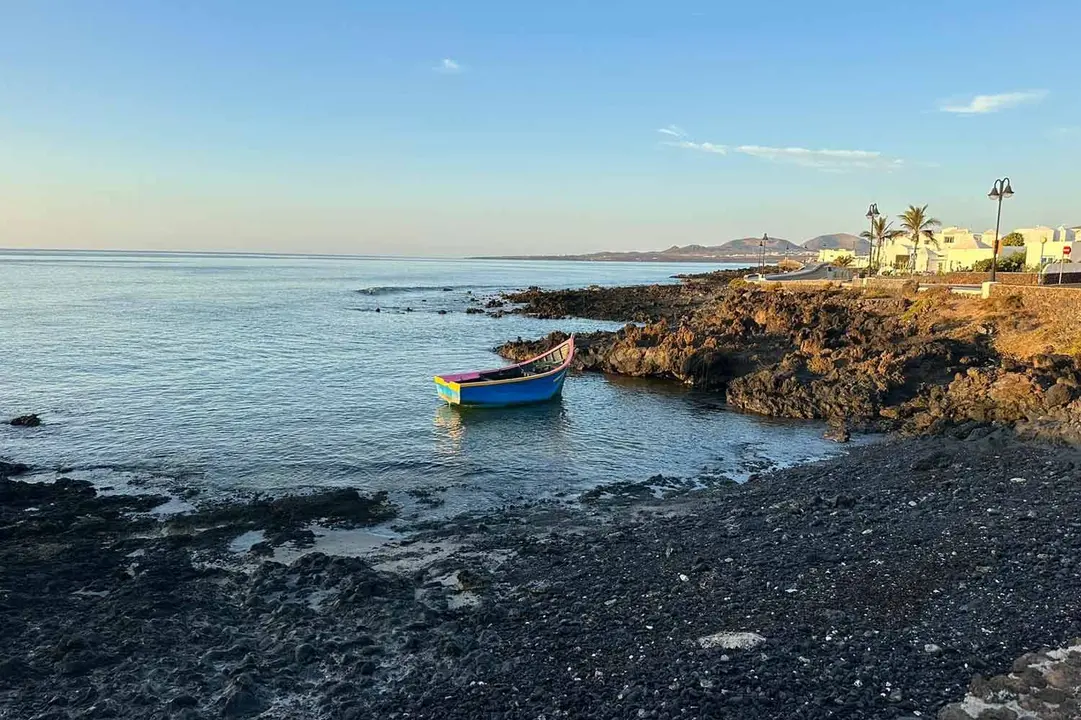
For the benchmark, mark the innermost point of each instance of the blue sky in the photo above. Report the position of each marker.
(431, 128)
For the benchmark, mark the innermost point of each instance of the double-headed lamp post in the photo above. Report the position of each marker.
(762, 251)
(872, 213)
(999, 192)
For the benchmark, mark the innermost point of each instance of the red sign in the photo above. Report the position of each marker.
(1066, 250)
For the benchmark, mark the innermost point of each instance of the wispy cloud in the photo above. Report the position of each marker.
(702, 147)
(448, 67)
(826, 160)
(673, 130)
(1066, 131)
(982, 104)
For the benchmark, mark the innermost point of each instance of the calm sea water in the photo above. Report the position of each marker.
(238, 373)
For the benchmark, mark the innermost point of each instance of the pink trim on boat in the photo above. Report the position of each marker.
(459, 377)
(473, 375)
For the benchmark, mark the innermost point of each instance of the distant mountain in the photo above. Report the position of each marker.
(741, 250)
(689, 250)
(838, 241)
(754, 244)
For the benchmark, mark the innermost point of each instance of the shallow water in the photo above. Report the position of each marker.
(240, 373)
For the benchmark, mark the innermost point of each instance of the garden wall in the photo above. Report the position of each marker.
(978, 278)
(1065, 301)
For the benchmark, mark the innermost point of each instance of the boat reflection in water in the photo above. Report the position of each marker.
(458, 428)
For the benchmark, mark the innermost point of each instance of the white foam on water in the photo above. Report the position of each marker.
(173, 506)
(245, 541)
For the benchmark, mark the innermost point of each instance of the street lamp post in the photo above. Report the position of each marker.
(762, 252)
(872, 213)
(999, 192)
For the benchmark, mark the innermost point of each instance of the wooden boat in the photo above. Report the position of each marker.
(535, 380)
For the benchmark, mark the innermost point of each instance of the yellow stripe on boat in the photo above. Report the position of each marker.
(448, 384)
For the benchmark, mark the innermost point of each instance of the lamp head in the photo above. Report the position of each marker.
(1006, 189)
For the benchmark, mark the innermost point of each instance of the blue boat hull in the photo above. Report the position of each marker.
(521, 392)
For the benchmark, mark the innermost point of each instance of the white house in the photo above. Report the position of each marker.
(953, 249)
(1045, 244)
(897, 254)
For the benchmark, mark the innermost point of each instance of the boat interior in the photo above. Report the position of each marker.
(543, 364)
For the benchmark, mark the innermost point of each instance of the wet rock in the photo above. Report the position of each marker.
(286, 518)
(11, 469)
(954, 712)
(1058, 395)
(242, 702)
(31, 420)
(15, 669)
(838, 432)
(181, 701)
(303, 653)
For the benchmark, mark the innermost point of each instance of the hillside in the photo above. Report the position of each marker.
(740, 250)
(837, 241)
(751, 245)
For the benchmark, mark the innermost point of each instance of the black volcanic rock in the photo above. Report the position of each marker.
(11, 469)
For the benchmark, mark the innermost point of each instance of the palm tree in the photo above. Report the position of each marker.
(843, 260)
(880, 232)
(916, 225)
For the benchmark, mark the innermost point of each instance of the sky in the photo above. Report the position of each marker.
(455, 128)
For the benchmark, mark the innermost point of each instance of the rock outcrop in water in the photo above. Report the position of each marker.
(11, 469)
(862, 362)
(31, 420)
(634, 303)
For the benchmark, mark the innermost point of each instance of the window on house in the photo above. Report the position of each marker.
(949, 239)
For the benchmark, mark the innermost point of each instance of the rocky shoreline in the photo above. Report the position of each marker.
(936, 573)
(876, 585)
(632, 303)
(863, 362)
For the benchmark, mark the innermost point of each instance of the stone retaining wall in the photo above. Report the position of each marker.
(882, 283)
(1062, 300)
(803, 284)
(978, 278)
